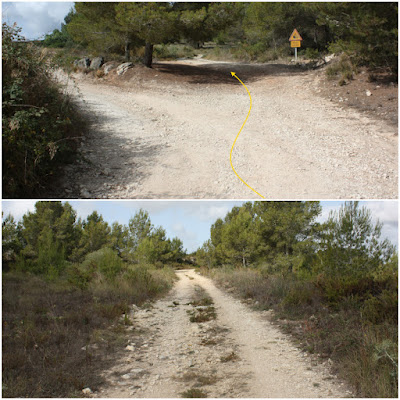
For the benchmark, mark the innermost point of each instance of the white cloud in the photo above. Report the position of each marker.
(35, 18)
(84, 208)
(17, 208)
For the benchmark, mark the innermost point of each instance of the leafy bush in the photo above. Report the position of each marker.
(312, 54)
(58, 39)
(39, 122)
(344, 68)
(173, 51)
(106, 261)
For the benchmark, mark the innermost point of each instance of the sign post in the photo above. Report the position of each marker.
(295, 41)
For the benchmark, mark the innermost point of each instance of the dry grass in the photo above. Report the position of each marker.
(193, 393)
(200, 380)
(357, 330)
(203, 315)
(56, 336)
(229, 357)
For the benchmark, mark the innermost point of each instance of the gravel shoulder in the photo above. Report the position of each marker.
(167, 133)
(238, 354)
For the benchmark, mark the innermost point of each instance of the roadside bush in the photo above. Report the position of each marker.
(40, 124)
(381, 308)
(342, 69)
(312, 54)
(106, 261)
(173, 51)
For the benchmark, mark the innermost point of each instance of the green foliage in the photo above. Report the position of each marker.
(253, 31)
(351, 245)
(106, 261)
(338, 280)
(48, 236)
(381, 308)
(173, 51)
(39, 121)
(366, 31)
(12, 241)
(58, 39)
(93, 25)
(312, 54)
(279, 234)
(344, 68)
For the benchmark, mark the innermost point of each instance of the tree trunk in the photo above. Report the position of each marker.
(127, 49)
(148, 55)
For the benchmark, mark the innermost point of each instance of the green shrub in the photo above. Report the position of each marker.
(300, 293)
(39, 122)
(344, 68)
(106, 261)
(173, 51)
(312, 54)
(383, 307)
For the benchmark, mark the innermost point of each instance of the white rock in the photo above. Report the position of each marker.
(138, 371)
(368, 93)
(129, 348)
(85, 194)
(121, 69)
(87, 391)
(329, 58)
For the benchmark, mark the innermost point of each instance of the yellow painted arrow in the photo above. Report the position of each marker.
(230, 156)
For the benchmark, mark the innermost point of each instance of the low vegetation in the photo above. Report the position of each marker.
(193, 393)
(332, 286)
(229, 357)
(203, 309)
(41, 125)
(67, 290)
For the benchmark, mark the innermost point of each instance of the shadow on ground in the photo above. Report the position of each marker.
(220, 73)
(108, 162)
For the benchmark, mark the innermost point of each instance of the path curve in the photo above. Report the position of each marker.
(167, 133)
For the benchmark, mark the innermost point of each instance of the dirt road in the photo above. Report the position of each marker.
(238, 354)
(167, 133)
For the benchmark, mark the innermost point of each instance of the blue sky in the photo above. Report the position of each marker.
(191, 220)
(35, 18)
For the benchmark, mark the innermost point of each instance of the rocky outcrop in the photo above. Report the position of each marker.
(108, 66)
(97, 62)
(82, 63)
(121, 69)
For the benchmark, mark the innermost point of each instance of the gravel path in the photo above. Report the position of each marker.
(169, 136)
(238, 354)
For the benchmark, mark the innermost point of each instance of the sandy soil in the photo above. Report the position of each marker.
(167, 132)
(239, 354)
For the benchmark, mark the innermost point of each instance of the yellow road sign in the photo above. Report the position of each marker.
(295, 43)
(295, 36)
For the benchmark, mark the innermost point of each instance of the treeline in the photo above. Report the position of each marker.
(51, 239)
(40, 124)
(257, 30)
(285, 237)
(337, 279)
(68, 285)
